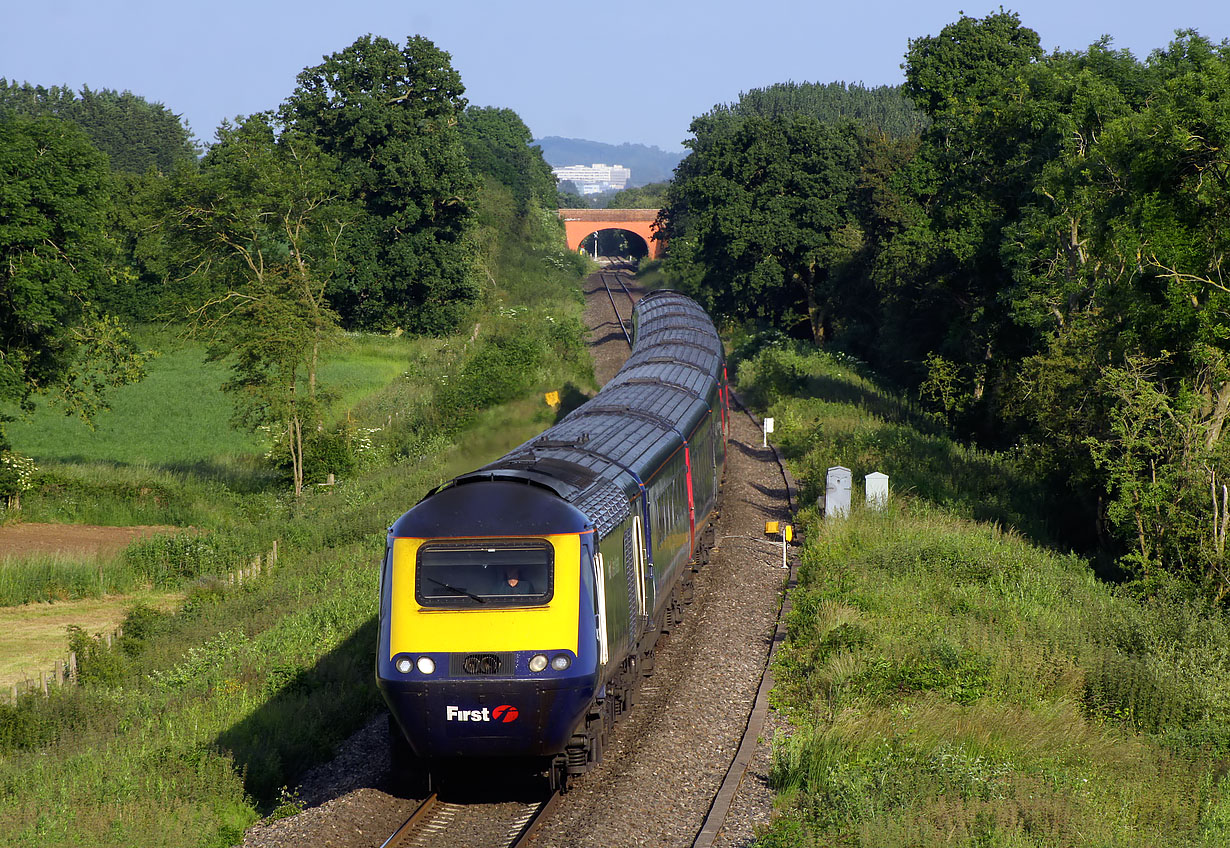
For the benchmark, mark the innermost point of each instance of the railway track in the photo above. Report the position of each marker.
(606, 278)
(441, 824)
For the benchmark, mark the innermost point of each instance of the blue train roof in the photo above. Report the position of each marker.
(594, 458)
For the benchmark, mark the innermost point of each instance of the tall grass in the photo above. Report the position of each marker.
(60, 577)
(948, 681)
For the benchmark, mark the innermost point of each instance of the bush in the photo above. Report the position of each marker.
(97, 662)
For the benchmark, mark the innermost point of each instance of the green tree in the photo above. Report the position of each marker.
(757, 217)
(54, 193)
(651, 196)
(883, 108)
(265, 223)
(135, 134)
(389, 116)
(499, 145)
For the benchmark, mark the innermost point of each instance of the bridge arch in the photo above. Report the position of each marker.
(581, 223)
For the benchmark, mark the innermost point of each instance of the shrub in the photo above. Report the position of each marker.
(97, 662)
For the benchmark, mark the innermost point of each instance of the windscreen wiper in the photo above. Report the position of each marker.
(481, 600)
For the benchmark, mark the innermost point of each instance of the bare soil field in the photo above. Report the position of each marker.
(73, 539)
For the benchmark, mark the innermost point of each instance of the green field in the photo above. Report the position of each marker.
(178, 416)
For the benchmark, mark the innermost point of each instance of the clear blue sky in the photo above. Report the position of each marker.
(633, 71)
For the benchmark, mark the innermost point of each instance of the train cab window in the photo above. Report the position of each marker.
(498, 572)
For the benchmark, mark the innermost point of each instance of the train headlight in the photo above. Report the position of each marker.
(427, 665)
(560, 662)
(538, 662)
(404, 665)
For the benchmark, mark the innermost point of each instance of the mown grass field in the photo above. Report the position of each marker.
(178, 417)
(950, 680)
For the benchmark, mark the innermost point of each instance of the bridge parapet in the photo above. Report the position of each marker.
(580, 223)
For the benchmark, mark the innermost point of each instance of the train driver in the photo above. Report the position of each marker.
(515, 582)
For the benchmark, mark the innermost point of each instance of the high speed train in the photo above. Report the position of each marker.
(520, 603)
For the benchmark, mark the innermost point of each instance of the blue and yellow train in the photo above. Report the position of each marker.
(520, 603)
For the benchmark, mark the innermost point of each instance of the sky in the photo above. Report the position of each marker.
(634, 71)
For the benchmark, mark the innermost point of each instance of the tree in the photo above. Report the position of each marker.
(883, 109)
(136, 135)
(968, 62)
(388, 116)
(498, 144)
(757, 216)
(54, 193)
(265, 222)
(651, 196)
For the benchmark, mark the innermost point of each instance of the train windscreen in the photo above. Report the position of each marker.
(496, 572)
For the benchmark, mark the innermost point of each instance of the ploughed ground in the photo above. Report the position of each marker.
(76, 540)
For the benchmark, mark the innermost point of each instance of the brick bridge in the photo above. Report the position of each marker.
(579, 223)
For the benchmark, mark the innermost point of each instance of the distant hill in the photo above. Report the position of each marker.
(648, 164)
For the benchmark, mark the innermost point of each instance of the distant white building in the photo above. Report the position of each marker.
(592, 179)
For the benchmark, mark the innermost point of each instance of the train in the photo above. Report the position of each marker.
(521, 603)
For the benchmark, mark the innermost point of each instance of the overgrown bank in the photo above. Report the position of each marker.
(949, 680)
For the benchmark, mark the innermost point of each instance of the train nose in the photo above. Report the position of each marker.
(471, 719)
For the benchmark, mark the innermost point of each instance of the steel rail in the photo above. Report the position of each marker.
(535, 821)
(614, 308)
(411, 825)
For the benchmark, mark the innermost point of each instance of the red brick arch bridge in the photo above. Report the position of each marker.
(580, 223)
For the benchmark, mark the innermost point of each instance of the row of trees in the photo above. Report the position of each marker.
(351, 206)
(1041, 261)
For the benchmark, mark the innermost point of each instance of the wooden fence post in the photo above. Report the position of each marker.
(72, 667)
(59, 672)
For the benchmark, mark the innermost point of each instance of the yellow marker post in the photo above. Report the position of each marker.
(552, 399)
(770, 528)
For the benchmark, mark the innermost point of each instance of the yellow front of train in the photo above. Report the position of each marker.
(487, 642)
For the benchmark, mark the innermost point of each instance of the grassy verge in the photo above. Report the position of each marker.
(949, 681)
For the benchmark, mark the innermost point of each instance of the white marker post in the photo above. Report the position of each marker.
(768, 428)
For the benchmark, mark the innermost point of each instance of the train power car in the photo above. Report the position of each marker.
(520, 603)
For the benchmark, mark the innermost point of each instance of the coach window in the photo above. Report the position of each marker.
(483, 574)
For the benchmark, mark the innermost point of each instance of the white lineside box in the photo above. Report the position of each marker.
(876, 485)
(837, 486)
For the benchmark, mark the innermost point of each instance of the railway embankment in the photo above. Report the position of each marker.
(948, 677)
